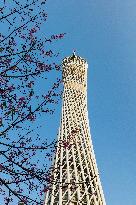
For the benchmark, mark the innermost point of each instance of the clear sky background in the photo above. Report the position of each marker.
(104, 33)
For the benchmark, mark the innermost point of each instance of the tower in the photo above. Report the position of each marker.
(74, 179)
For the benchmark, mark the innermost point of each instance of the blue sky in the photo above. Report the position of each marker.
(104, 33)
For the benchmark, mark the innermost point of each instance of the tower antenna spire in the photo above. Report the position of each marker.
(74, 54)
(74, 51)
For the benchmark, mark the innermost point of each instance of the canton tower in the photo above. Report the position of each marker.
(75, 178)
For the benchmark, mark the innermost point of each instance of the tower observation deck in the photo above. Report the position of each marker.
(75, 178)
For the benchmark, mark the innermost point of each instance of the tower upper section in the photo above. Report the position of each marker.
(74, 72)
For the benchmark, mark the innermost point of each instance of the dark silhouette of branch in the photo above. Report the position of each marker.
(16, 11)
(31, 19)
(28, 148)
(24, 63)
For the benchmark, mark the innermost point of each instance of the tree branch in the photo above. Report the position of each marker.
(33, 18)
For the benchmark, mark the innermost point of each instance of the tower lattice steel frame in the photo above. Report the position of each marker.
(75, 178)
